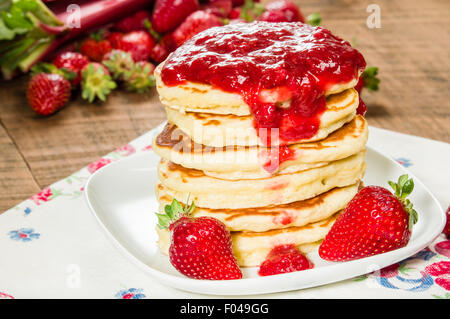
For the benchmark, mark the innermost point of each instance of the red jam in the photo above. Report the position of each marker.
(296, 61)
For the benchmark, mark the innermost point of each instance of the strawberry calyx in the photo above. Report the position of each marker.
(43, 67)
(148, 25)
(314, 19)
(140, 78)
(402, 189)
(250, 10)
(371, 82)
(96, 82)
(118, 63)
(173, 212)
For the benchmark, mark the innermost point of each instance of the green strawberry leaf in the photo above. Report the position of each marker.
(371, 81)
(402, 189)
(176, 207)
(43, 67)
(173, 212)
(407, 188)
(314, 19)
(394, 187)
(163, 221)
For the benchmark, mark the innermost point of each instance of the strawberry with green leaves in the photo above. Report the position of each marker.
(96, 82)
(200, 247)
(95, 47)
(71, 61)
(375, 221)
(249, 11)
(282, 11)
(138, 43)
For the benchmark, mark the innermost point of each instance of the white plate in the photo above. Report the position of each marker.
(121, 196)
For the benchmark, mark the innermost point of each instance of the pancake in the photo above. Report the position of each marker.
(223, 130)
(203, 98)
(251, 248)
(245, 162)
(210, 192)
(261, 219)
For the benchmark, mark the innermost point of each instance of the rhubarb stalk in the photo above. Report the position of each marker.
(30, 29)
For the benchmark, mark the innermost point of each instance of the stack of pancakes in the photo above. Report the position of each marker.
(212, 155)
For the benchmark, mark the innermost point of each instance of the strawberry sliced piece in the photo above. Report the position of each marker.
(284, 259)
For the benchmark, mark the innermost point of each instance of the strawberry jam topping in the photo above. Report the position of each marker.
(266, 63)
(282, 71)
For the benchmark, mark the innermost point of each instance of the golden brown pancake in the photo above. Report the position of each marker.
(247, 162)
(266, 218)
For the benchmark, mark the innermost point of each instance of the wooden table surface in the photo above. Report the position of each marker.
(411, 49)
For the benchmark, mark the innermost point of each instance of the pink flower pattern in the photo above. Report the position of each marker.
(43, 196)
(95, 166)
(441, 270)
(125, 150)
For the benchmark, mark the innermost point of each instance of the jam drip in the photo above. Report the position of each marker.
(282, 71)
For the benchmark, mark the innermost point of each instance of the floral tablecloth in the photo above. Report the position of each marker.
(52, 247)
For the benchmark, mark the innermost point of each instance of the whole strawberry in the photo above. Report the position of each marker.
(138, 43)
(48, 93)
(282, 11)
(135, 22)
(220, 8)
(195, 23)
(95, 47)
(72, 61)
(163, 48)
(200, 247)
(375, 221)
(284, 259)
(249, 11)
(114, 38)
(169, 14)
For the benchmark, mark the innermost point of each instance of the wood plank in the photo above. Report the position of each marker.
(411, 49)
(16, 181)
(56, 146)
